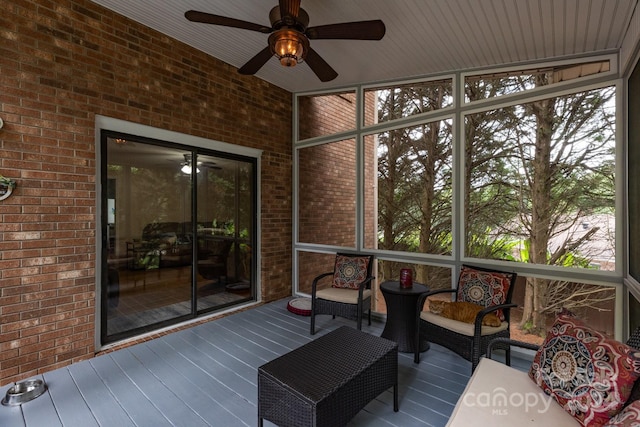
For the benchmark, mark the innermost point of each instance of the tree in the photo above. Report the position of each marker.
(489, 197)
(534, 173)
(414, 176)
(556, 157)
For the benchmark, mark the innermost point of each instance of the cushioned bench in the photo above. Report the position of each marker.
(489, 400)
(499, 395)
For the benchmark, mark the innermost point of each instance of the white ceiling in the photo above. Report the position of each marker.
(423, 36)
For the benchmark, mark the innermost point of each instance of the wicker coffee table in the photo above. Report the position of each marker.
(328, 381)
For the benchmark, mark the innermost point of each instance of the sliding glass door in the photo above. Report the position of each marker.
(225, 231)
(178, 226)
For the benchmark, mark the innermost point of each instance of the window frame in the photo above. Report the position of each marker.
(457, 112)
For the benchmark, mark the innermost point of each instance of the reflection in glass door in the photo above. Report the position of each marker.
(168, 256)
(225, 223)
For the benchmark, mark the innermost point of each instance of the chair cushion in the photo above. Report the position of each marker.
(588, 374)
(628, 417)
(460, 327)
(344, 295)
(350, 271)
(483, 287)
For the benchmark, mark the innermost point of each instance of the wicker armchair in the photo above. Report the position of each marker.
(490, 288)
(349, 295)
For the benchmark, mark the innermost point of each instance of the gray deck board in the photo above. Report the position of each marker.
(42, 412)
(163, 398)
(226, 405)
(217, 364)
(180, 387)
(65, 396)
(129, 395)
(97, 397)
(10, 415)
(207, 376)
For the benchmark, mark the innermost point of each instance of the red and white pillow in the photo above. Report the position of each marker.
(484, 288)
(628, 417)
(350, 271)
(588, 374)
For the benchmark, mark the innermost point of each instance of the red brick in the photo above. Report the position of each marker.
(52, 88)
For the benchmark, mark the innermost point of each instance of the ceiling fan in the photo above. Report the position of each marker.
(188, 163)
(289, 36)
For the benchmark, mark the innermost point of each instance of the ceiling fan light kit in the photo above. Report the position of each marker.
(186, 165)
(289, 36)
(288, 46)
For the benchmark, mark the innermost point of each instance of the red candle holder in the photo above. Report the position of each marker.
(406, 278)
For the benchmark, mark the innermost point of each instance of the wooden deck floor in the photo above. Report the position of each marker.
(207, 376)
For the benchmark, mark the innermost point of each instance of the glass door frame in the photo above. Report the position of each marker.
(195, 145)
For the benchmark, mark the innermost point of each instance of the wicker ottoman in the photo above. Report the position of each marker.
(327, 381)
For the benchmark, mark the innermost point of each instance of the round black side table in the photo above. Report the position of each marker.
(401, 315)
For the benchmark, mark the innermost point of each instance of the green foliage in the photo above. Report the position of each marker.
(414, 170)
(528, 326)
(570, 259)
(531, 171)
(484, 246)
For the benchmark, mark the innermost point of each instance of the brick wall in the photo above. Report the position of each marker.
(61, 63)
(327, 194)
(326, 114)
(327, 181)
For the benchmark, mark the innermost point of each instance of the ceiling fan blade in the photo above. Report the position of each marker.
(361, 30)
(256, 62)
(208, 18)
(289, 8)
(319, 66)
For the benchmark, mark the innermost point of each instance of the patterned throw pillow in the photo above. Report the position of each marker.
(588, 374)
(628, 417)
(483, 287)
(350, 271)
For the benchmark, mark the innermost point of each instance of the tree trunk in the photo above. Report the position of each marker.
(527, 311)
(541, 209)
